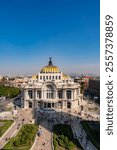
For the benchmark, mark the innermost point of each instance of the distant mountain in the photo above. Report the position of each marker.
(73, 74)
(76, 74)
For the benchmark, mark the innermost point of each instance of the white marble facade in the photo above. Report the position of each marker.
(51, 89)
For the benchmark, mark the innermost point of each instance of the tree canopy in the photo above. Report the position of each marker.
(9, 92)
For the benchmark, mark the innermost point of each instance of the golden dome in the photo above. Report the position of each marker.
(35, 77)
(50, 68)
(65, 76)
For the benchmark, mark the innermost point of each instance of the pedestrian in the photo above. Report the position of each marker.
(6, 138)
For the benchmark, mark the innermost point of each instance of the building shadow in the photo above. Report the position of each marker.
(48, 119)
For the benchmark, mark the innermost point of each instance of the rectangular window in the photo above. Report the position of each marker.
(51, 95)
(46, 77)
(47, 95)
(38, 103)
(59, 77)
(53, 77)
(44, 105)
(69, 95)
(43, 77)
(39, 94)
(50, 77)
(30, 93)
(56, 77)
(53, 105)
(40, 77)
(60, 95)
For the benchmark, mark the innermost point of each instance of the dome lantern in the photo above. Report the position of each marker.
(50, 62)
(50, 68)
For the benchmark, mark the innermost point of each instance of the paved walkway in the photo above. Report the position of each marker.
(15, 128)
(10, 133)
(44, 141)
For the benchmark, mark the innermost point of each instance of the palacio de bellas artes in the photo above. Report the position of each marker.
(55, 94)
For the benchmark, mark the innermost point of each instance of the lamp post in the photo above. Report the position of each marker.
(86, 142)
(70, 117)
(61, 111)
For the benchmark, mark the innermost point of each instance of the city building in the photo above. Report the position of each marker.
(1, 77)
(19, 81)
(15, 81)
(51, 89)
(94, 86)
(83, 81)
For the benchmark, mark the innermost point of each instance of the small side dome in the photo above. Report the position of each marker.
(34, 77)
(65, 77)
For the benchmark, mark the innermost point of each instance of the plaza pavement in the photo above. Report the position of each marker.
(47, 120)
(44, 141)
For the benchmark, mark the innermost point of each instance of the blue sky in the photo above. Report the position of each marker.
(33, 30)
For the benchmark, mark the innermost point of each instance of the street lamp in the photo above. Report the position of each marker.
(86, 142)
(70, 118)
(61, 111)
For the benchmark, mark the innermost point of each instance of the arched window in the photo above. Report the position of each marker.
(30, 93)
(50, 77)
(40, 77)
(68, 94)
(50, 92)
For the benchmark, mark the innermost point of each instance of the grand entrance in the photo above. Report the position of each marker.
(68, 105)
(49, 105)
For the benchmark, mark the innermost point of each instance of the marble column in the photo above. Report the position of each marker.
(56, 94)
(78, 91)
(75, 94)
(26, 104)
(72, 96)
(26, 94)
(34, 98)
(34, 94)
(43, 94)
(64, 94)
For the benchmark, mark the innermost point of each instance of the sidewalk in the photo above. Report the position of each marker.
(8, 134)
(12, 131)
(44, 141)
